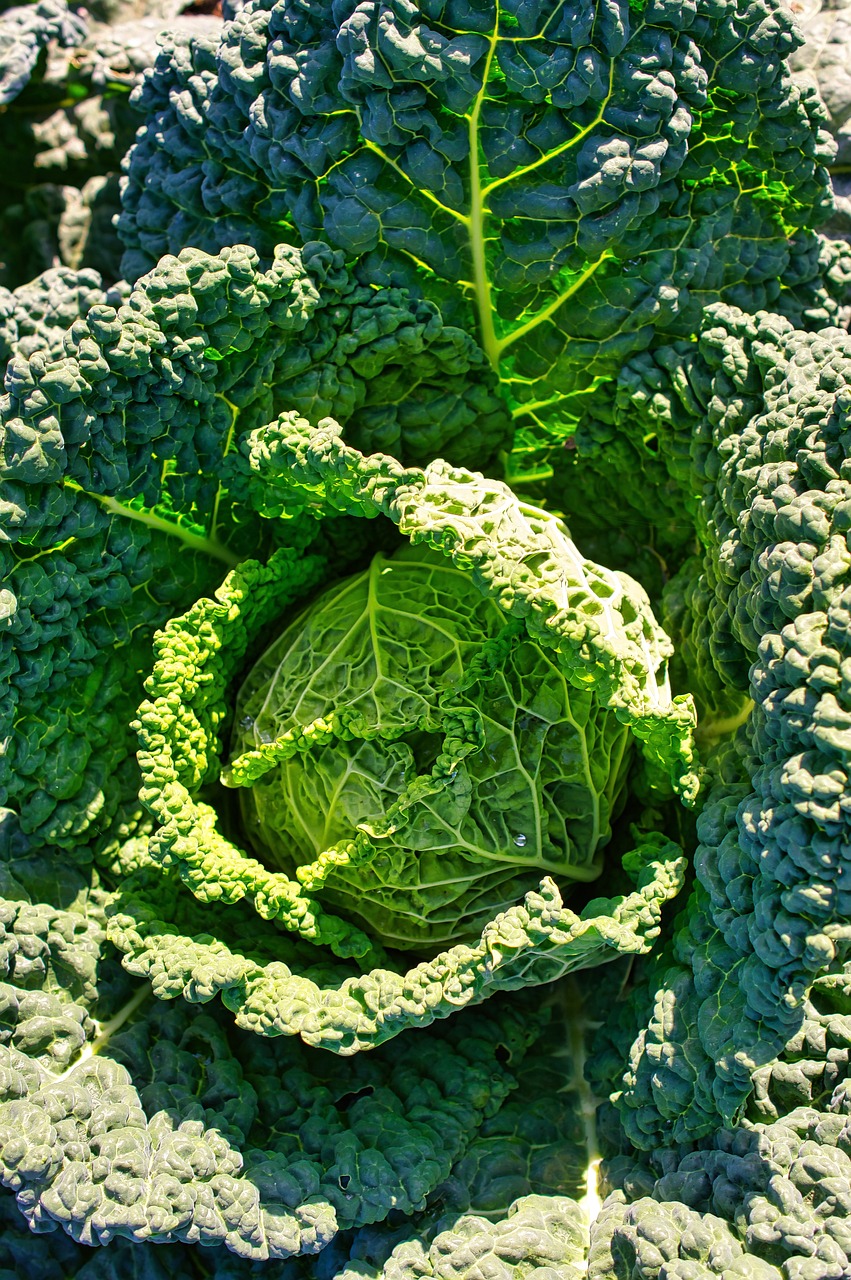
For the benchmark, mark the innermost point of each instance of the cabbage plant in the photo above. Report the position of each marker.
(361, 888)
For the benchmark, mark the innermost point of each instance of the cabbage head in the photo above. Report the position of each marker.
(461, 762)
(432, 752)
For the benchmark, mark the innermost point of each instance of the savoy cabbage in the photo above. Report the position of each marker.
(538, 765)
(426, 625)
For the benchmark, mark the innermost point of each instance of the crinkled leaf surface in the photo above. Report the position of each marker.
(563, 179)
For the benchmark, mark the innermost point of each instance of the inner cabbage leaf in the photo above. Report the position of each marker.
(407, 652)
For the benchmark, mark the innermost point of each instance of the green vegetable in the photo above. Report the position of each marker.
(333, 694)
(457, 748)
(25, 30)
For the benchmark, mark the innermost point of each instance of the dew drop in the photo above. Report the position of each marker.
(247, 722)
(520, 841)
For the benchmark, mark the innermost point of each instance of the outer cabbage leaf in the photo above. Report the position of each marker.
(635, 427)
(43, 1257)
(69, 125)
(823, 61)
(763, 1202)
(218, 1136)
(759, 1202)
(540, 1236)
(35, 316)
(385, 1129)
(543, 1237)
(765, 1199)
(563, 179)
(770, 909)
(60, 135)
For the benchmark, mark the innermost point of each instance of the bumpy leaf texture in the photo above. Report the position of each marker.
(824, 61)
(634, 428)
(562, 179)
(219, 1137)
(258, 1150)
(65, 125)
(768, 607)
(25, 31)
(763, 1202)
